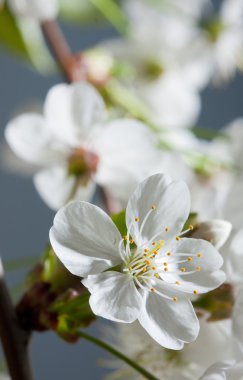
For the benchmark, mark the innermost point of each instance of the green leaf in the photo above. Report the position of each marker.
(79, 11)
(24, 38)
(208, 133)
(10, 34)
(120, 221)
(191, 221)
(113, 13)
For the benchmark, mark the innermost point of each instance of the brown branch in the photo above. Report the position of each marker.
(14, 339)
(71, 65)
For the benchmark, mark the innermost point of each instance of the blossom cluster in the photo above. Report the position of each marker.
(127, 133)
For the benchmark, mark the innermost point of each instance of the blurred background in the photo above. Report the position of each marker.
(24, 218)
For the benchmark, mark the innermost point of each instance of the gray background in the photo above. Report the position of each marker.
(25, 220)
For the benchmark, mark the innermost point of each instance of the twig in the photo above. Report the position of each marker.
(118, 354)
(14, 339)
(72, 65)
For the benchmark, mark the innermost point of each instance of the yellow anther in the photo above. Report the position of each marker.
(148, 262)
(144, 269)
(199, 255)
(156, 275)
(189, 259)
(195, 292)
(190, 227)
(136, 219)
(175, 299)
(198, 269)
(166, 269)
(177, 283)
(154, 242)
(165, 264)
(161, 243)
(131, 241)
(167, 229)
(183, 269)
(153, 207)
(168, 253)
(153, 290)
(156, 253)
(145, 250)
(153, 267)
(178, 238)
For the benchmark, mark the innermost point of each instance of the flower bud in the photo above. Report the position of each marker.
(215, 231)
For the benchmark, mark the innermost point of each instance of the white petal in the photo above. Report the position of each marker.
(232, 208)
(114, 296)
(172, 201)
(72, 111)
(30, 139)
(127, 151)
(207, 278)
(57, 188)
(210, 261)
(234, 260)
(237, 325)
(85, 239)
(218, 371)
(170, 323)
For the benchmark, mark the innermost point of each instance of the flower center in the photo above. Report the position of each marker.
(82, 162)
(150, 262)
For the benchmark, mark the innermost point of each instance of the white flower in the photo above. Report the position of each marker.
(151, 280)
(219, 43)
(164, 86)
(75, 148)
(39, 9)
(227, 370)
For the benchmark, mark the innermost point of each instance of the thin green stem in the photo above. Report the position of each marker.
(118, 354)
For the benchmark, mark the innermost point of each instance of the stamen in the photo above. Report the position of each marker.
(189, 259)
(199, 255)
(137, 219)
(178, 238)
(195, 292)
(175, 299)
(177, 283)
(167, 229)
(153, 207)
(183, 269)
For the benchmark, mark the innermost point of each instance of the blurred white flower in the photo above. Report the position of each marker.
(227, 370)
(75, 147)
(152, 279)
(38, 9)
(163, 84)
(219, 42)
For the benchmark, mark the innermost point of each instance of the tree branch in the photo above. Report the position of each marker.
(71, 65)
(14, 339)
